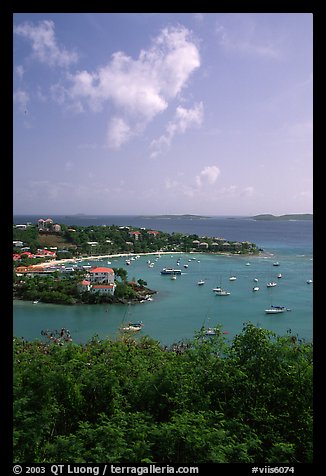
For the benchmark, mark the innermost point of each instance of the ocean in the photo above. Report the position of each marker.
(181, 306)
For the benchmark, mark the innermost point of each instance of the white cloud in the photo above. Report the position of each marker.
(208, 176)
(118, 133)
(141, 88)
(183, 119)
(244, 39)
(20, 71)
(21, 98)
(44, 43)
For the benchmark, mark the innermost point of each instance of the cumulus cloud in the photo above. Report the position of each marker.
(183, 119)
(44, 43)
(118, 133)
(139, 88)
(207, 176)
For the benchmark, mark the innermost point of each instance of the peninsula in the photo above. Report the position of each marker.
(186, 216)
(295, 216)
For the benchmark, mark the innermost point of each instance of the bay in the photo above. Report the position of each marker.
(180, 306)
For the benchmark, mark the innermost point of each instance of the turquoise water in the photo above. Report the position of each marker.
(181, 306)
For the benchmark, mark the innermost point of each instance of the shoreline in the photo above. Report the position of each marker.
(263, 254)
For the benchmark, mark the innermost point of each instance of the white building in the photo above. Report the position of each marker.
(101, 275)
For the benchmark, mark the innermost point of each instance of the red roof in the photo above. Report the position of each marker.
(102, 270)
(103, 286)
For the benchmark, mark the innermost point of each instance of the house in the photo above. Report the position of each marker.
(101, 275)
(153, 233)
(103, 288)
(48, 225)
(18, 243)
(85, 285)
(135, 234)
(203, 244)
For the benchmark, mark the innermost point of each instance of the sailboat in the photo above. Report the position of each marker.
(131, 326)
(201, 281)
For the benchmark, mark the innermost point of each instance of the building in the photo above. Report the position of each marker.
(103, 288)
(48, 225)
(101, 275)
(153, 233)
(85, 285)
(135, 235)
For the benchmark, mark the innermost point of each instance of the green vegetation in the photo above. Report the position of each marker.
(104, 240)
(127, 401)
(61, 288)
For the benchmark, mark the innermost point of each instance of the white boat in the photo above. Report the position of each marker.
(201, 282)
(276, 310)
(222, 292)
(185, 265)
(217, 289)
(255, 288)
(210, 332)
(232, 278)
(35, 302)
(256, 280)
(276, 263)
(173, 277)
(279, 276)
(132, 327)
(309, 281)
(271, 284)
(170, 271)
(247, 264)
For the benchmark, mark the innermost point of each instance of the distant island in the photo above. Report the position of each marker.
(187, 216)
(295, 216)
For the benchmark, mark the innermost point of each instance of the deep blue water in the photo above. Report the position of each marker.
(180, 307)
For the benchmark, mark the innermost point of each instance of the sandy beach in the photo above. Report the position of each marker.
(98, 257)
(128, 255)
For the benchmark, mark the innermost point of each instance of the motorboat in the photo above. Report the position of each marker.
(222, 292)
(232, 278)
(201, 282)
(255, 288)
(271, 284)
(309, 281)
(276, 310)
(170, 271)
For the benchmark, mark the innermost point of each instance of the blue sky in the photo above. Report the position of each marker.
(162, 113)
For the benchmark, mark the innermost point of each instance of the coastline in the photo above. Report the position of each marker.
(121, 255)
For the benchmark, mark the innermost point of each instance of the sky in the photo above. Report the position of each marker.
(157, 113)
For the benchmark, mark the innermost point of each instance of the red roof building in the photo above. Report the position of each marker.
(102, 275)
